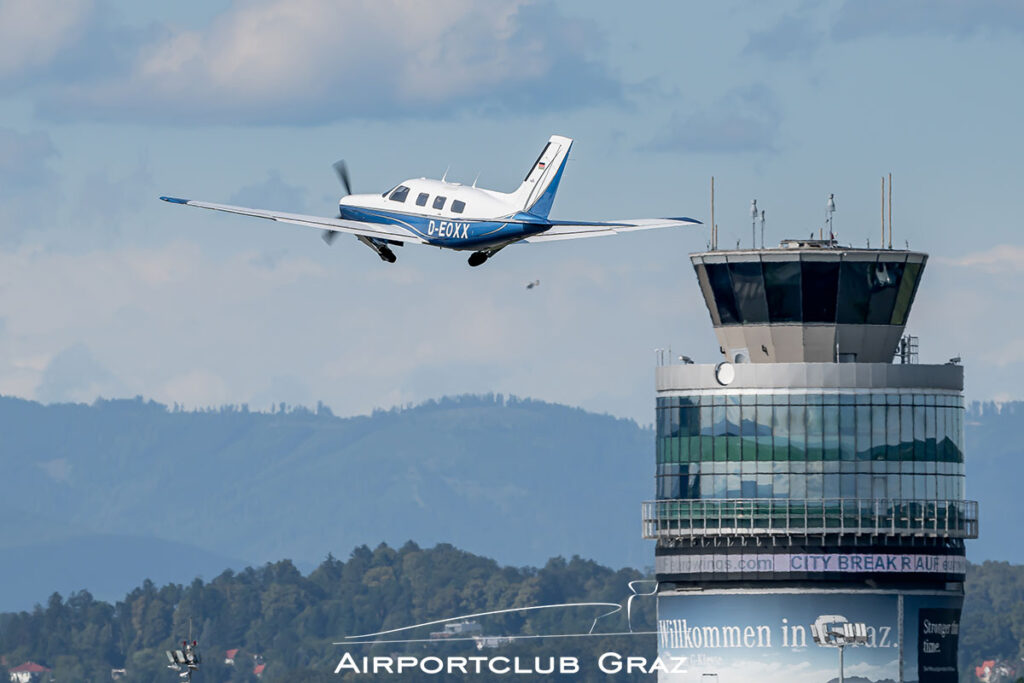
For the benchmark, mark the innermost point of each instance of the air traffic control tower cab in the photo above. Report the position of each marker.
(816, 469)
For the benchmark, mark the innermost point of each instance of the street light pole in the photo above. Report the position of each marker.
(841, 634)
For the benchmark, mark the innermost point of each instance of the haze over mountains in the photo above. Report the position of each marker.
(90, 491)
(103, 496)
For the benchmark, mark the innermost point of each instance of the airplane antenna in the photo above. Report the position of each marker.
(445, 176)
(476, 179)
(762, 228)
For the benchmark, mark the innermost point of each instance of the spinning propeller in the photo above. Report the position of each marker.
(342, 170)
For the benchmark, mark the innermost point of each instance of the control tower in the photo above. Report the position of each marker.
(814, 475)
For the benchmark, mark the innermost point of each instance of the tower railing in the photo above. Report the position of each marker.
(688, 518)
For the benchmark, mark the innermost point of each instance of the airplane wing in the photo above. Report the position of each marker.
(571, 230)
(377, 230)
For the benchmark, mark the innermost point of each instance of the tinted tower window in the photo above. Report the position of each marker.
(885, 284)
(748, 286)
(819, 286)
(721, 286)
(782, 287)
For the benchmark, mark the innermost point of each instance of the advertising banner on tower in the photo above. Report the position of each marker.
(767, 637)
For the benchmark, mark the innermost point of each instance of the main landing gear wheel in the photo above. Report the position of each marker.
(387, 255)
(478, 258)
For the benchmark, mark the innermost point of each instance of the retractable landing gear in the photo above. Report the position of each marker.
(478, 258)
(380, 247)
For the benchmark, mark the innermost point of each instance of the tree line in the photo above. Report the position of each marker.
(289, 622)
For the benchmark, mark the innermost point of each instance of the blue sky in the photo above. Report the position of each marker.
(104, 105)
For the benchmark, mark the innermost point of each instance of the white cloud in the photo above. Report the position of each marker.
(964, 308)
(75, 375)
(194, 389)
(27, 183)
(33, 32)
(1003, 258)
(312, 61)
(177, 324)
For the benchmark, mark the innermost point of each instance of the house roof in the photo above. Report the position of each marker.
(258, 669)
(231, 653)
(30, 667)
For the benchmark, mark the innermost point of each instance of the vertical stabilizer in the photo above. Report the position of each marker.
(537, 192)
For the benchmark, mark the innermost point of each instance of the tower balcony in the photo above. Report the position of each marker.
(667, 521)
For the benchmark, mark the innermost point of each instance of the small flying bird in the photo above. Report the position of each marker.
(531, 285)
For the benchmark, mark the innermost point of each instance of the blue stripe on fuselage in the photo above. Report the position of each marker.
(448, 232)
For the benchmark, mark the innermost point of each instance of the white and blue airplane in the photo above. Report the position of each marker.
(453, 216)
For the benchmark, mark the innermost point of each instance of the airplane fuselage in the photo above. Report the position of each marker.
(447, 215)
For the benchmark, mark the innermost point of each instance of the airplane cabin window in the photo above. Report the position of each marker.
(439, 202)
(421, 199)
(458, 207)
(400, 193)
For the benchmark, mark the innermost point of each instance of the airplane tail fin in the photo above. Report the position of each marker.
(537, 192)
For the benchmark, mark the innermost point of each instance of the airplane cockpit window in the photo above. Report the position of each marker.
(400, 193)
(458, 207)
(439, 202)
(421, 199)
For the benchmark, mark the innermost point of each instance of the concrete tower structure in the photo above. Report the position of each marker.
(815, 475)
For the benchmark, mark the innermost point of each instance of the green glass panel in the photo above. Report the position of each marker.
(830, 432)
(732, 448)
(906, 417)
(798, 432)
(780, 432)
(847, 432)
(892, 432)
(815, 432)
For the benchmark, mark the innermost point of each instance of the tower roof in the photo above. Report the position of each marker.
(809, 301)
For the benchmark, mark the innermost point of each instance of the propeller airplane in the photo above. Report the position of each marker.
(452, 216)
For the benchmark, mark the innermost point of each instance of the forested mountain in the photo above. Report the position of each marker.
(129, 489)
(994, 436)
(992, 624)
(276, 616)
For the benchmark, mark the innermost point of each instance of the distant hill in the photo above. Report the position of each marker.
(994, 439)
(196, 492)
(518, 480)
(103, 562)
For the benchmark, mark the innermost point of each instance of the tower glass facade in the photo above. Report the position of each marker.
(810, 445)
